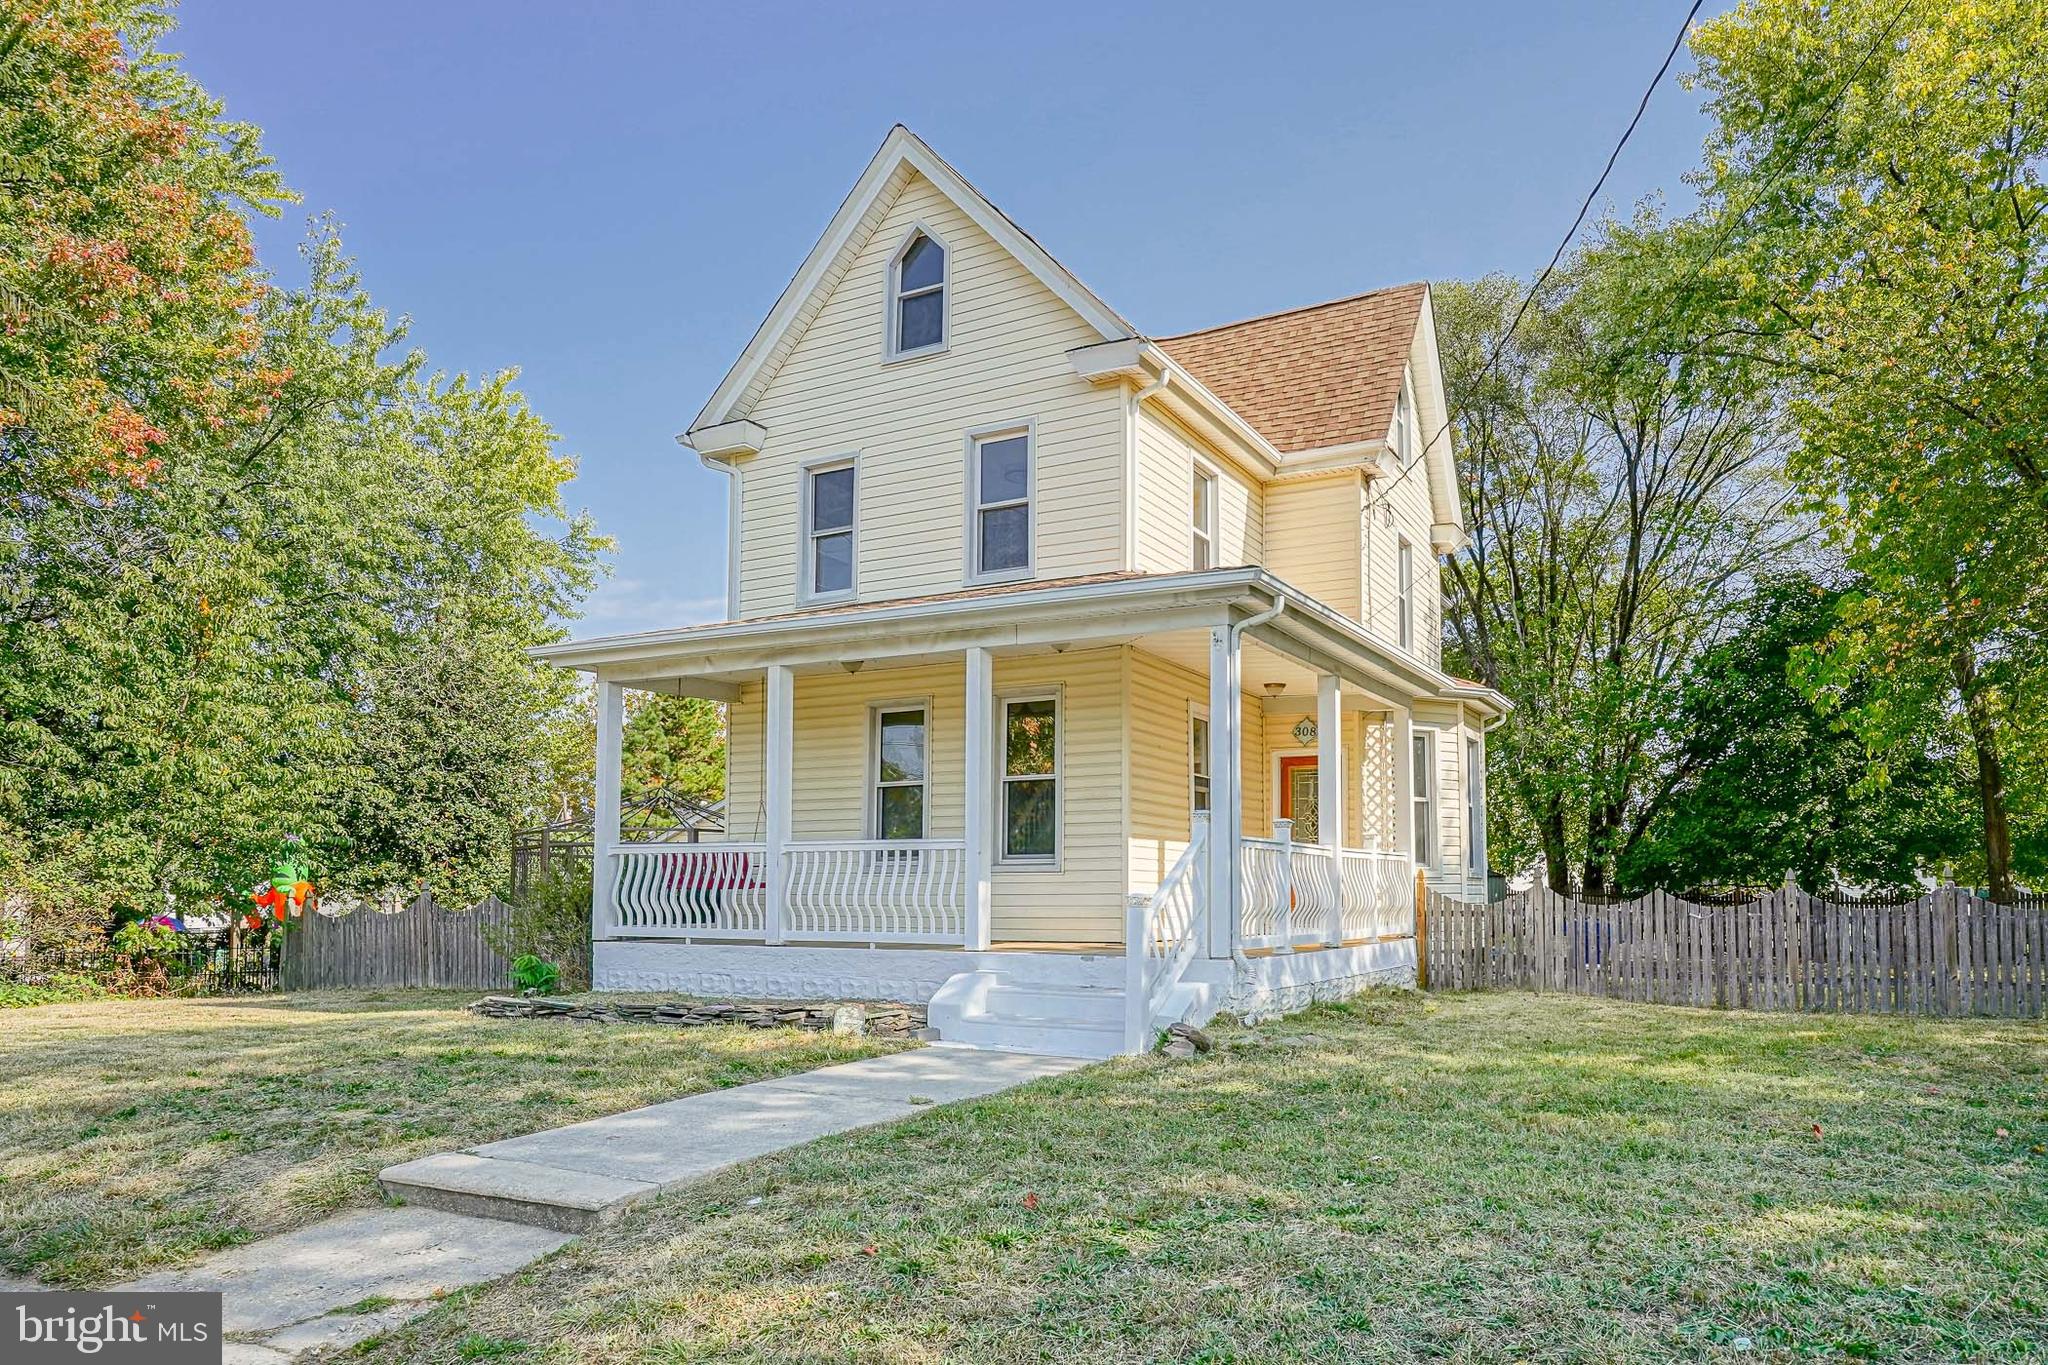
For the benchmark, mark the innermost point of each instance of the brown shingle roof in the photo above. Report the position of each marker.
(1319, 376)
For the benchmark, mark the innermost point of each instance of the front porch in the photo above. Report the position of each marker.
(953, 800)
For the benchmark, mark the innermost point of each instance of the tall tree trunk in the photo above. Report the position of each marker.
(1990, 778)
(1593, 879)
(1557, 858)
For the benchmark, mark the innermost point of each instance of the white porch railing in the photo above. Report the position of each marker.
(836, 892)
(1298, 894)
(1163, 934)
(877, 891)
(691, 890)
(1379, 895)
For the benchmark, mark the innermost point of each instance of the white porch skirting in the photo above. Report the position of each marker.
(795, 972)
(1285, 982)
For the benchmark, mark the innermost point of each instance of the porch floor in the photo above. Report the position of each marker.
(1018, 945)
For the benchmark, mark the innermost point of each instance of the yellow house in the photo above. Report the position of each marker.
(1017, 595)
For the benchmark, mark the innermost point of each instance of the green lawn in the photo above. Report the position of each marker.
(1474, 1178)
(142, 1133)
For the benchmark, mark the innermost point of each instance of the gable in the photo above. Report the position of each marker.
(901, 156)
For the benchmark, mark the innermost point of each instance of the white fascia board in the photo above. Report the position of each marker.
(1438, 457)
(901, 148)
(726, 440)
(1221, 586)
(1103, 361)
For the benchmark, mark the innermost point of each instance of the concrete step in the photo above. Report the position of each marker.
(1011, 999)
(514, 1191)
(1041, 1037)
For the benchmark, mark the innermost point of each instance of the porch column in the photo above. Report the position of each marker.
(1330, 793)
(978, 797)
(777, 776)
(1226, 823)
(611, 707)
(1403, 745)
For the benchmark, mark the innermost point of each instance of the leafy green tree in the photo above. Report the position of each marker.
(1617, 509)
(673, 743)
(1872, 234)
(1764, 781)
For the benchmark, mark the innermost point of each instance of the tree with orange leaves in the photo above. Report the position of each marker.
(127, 279)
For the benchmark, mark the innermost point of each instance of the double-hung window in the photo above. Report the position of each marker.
(1202, 513)
(1424, 779)
(1475, 811)
(1031, 779)
(900, 747)
(1198, 761)
(828, 529)
(1000, 490)
(1404, 605)
(917, 297)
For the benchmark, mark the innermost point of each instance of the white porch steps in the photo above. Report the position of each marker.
(1010, 1012)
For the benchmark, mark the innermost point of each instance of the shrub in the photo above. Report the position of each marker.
(550, 920)
(529, 973)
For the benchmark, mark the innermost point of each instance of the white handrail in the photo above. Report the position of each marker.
(716, 890)
(1161, 935)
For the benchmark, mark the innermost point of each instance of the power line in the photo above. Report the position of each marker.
(1564, 244)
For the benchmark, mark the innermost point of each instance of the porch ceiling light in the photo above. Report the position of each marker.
(852, 665)
(1274, 689)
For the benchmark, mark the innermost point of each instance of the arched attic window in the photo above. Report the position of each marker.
(917, 296)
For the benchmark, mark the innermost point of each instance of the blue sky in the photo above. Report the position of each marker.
(610, 196)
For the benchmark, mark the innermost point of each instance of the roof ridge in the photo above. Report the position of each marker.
(1288, 312)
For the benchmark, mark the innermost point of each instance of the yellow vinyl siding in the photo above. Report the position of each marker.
(1448, 873)
(1081, 899)
(1313, 528)
(833, 394)
(1163, 696)
(1167, 453)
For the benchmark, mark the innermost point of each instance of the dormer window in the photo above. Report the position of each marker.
(917, 297)
(1404, 422)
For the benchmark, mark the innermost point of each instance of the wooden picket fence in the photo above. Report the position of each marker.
(421, 945)
(1947, 953)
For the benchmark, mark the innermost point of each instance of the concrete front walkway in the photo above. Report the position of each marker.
(475, 1215)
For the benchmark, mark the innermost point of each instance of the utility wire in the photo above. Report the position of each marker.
(1500, 347)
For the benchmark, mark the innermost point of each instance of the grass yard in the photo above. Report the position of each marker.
(1472, 1178)
(143, 1133)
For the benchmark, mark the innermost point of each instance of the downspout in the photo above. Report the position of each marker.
(1138, 397)
(732, 531)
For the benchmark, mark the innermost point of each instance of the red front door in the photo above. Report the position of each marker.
(1298, 797)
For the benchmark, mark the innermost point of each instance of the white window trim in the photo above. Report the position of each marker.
(892, 316)
(1404, 420)
(976, 437)
(1198, 752)
(806, 567)
(1430, 735)
(1404, 594)
(872, 782)
(1057, 696)
(1197, 530)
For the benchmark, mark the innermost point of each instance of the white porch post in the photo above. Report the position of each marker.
(978, 798)
(1330, 790)
(611, 705)
(1226, 822)
(778, 776)
(1403, 745)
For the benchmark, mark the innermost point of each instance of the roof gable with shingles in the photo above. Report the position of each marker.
(1325, 375)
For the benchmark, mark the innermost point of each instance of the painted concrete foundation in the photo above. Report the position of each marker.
(795, 972)
(1286, 982)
